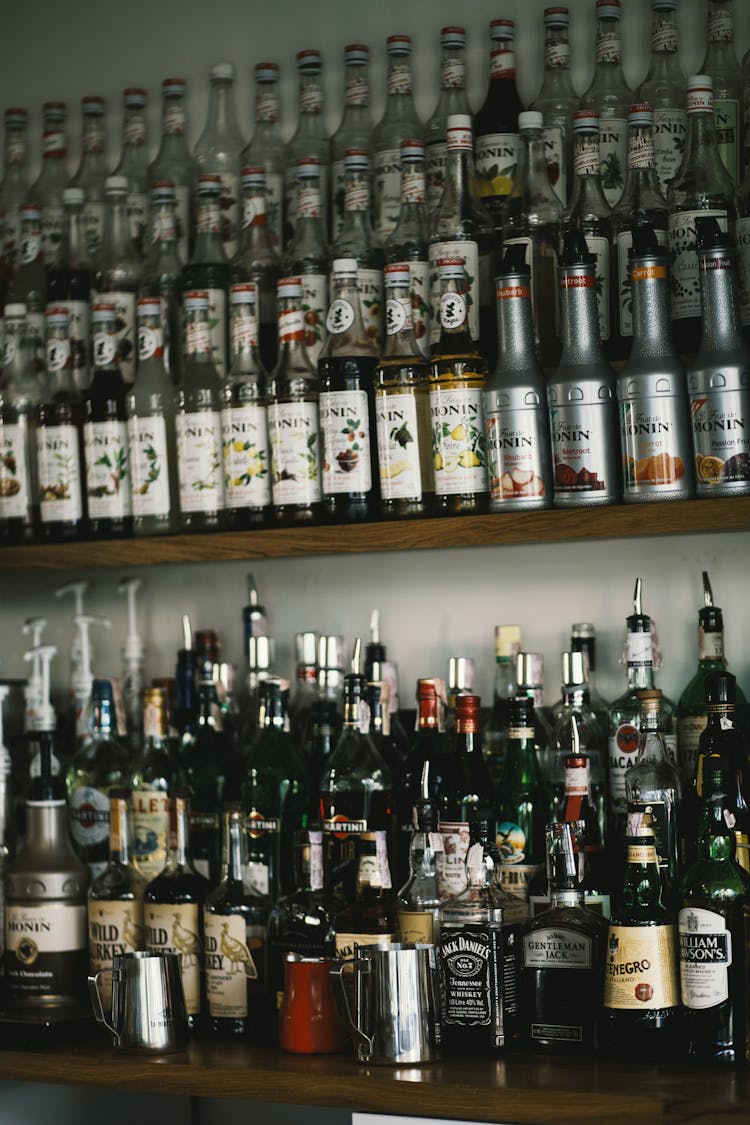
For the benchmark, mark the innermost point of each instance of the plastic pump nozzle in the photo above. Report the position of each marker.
(645, 242)
(34, 628)
(134, 648)
(77, 588)
(84, 677)
(514, 260)
(46, 720)
(45, 786)
(710, 236)
(575, 250)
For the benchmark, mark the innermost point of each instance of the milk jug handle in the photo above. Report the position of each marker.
(342, 1000)
(96, 1001)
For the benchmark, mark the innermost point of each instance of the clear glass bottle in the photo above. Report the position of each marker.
(428, 764)
(133, 165)
(357, 240)
(610, 96)
(257, 261)
(721, 65)
(119, 272)
(158, 774)
(557, 101)
(496, 124)
(15, 182)
(307, 255)
(399, 122)
(266, 148)
(355, 129)
(420, 898)
(583, 639)
(208, 267)
(508, 644)
(71, 283)
(161, 277)
(92, 170)
(47, 190)
(409, 240)
(19, 397)
(28, 282)
(173, 162)
(310, 138)
(663, 89)
(452, 99)
(523, 803)
(577, 731)
(217, 152)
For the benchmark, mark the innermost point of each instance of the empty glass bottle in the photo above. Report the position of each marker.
(161, 277)
(173, 162)
(310, 138)
(355, 128)
(217, 152)
(452, 99)
(557, 101)
(399, 122)
(257, 261)
(47, 190)
(663, 89)
(609, 95)
(70, 283)
(133, 165)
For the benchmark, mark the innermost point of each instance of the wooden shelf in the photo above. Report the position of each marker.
(515, 1088)
(617, 522)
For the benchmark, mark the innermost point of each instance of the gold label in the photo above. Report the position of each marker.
(230, 964)
(417, 926)
(150, 821)
(641, 853)
(175, 928)
(641, 968)
(114, 927)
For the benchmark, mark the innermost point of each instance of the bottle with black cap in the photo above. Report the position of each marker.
(420, 898)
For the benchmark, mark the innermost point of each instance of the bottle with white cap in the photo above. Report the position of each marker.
(266, 148)
(19, 398)
(663, 89)
(47, 190)
(452, 100)
(92, 169)
(217, 151)
(14, 185)
(208, 268)
(70, 283)
(702, 187)
(257, 261)
(409, 240)
(399, 121)
(496, 123)
(307, 254)
(161, 278)
(557, 101)
(133, 164)
(28, 282)
(610, 96)
(119, 272)
(357, 240)
(173, 162)
(721, 64)
(356, 124)
(310, 137)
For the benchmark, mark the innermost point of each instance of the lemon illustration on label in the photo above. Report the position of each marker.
(438, 460)
(458, 433)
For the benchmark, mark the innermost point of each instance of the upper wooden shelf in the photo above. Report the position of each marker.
(552, 526)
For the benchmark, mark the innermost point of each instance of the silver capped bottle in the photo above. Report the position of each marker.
(719, 379)
(657, 462)
(581, 392)
(664, 89)
(515, 402)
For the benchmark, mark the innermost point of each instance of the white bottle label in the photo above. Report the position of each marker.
(435, 174)
(217, 312)
(705, 957)
(93, 225)
(345, 432)
(314, 306)
(624, 244)
(126, 330)
(105, 446)
(458, 440)
(149, 475)
(78, 334)
(742, 236)
(469, 251)
(14, 470)
(554, 150)
(247, 468)
(89, 815)
(199, 461)
(581, 440)
(683, 261)
(496, 159)
(295, 455)
(613, 156)
(663, 33)
(451, 868)
(175, 928)
(599, 247)
(670, 129)
(370, 285)
(387, 191)
(514, 459)
(229, 964)
(59, 471)
(398, 446)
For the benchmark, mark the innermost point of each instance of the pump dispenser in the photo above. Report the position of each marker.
(41, 723)
(77, 588)
(83, 680)
(33, 627)
(133, 652)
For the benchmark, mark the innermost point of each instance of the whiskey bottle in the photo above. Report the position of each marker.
(399, 122)
(204, 757)
(216, 154)
(208, 268)
(508, 644)
(409, 240)
(173, 163)
(158, 773)
(452, 99)
(15, 182)
(19, 398)
(721, 65)
(307, 254)
(355, 128)
(119, 272)
(515, 401)
(610, 97)
(92, 170)
(310, 138)
(161, 276)
(420, 897)
(266, 148)
(70, 281)
(523, 804)
(496, 123)
(256, 260)
(173, 907)
(235, 947)
(557, 101)
(641, 995)
(50, 185)
(663, 88)
(356, 240)
(467, 788)
(564, 947)
(577, 731)
(370, 917)
(133, 164)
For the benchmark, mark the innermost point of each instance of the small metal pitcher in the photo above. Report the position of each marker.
(148, 1002)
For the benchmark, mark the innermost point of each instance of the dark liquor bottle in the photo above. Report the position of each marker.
(467, 788)
(173, 163)
(508, 644)
(256, 260)
(641, 996)
(523, 803)
(377, 666)
(19, 399)
(563, 958)
(208, 269)
(583, 640)
(173, 905)
(420, 896)
(427, 765)
(323, 732)
(303, 696)
(157, 774)
(235, 946)
(204, 757)
(70, 282)
(371, 915)
(496, 123)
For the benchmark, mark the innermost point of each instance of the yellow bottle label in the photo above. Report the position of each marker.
(230, 964)
(175, 928)
(641, 968)
(114, 927)
(417, 926)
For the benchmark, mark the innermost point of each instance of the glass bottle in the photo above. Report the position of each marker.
(133, 165)
(161, 276)
(266, 148)
(399, 122)
(28, 283)
(531, 219)
(173, 907)
(356, 240)
(487, 921)
(92, 170)
(718, 384)
(663, 89)
(467, 789)
(234, 927)
(49, 186)
(198, 424)
(323, 730)
(609, 96)
(173, 162)
(409, 240)
(452, 99)
(14, 185)
(307, 255)
(420, 897)
(351, 488)
(355, 128)
(204, 757)
(577, 731)
(208, 267)
(370, 916)
(702, 187)
(564, 950)
(217, 152)
(310, 138)
(523, 803)
(457, 381)
(579, 808)
(257, 261)
(557, 101)
(641, 995)
(427, 766)
(741, 233)
(404, 430)
(721, 65)
(508, 644)
(657, 461)
(105, 432)
(293, 430)
(515, 401)
(119, 271)
(115, 899)
(59, 438)
(19, 399)
(496, 124)
(70, 283)
(583, 640)
(304, 694)
(581, 393)
(158, 774)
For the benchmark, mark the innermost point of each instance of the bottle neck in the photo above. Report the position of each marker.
(209, 246)
(179, 833)
(244, 334)
(663, 36)
(254, 234)
(308, 863)
(460, 193)
(119, 841)
(701, 143)
(399, 100)
(515, 323)
(608, 46)
(93, 139)
(134, 133)
(356, 90)
(266, 104)
(649, 286)
(163, 226)
(453, 312)
(234, 848)
(720, 308)
(116, 235)
(566, 897)
(310, 97)
(400, 341)
(173, 123)
(429, 713)
(373, 872)
(74, 253)
(481, 865)
(643, 885)
(222, 118)
(198, 348)
(103, 725)
(580, 318)
(556, 53)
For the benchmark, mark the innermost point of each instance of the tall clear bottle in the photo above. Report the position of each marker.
(420, 897)
(355, 128)
(70, 283)
(356, 239)
(208, 267)
(531, 219)
(47, 190)
(409, 240)
(610, 96)
(257, 261)
(516, 418)
(557, 101)
(307, 254)
(722, 66)
(133, 165)
(119, 272)
(59, 439)
(452, 99)
(496, 124)
(663, 88)
(701, 187)
(657, 459)
(161, 277)
(266, 148)
(310, 138)
(92, 170)
(581, 392)
(19, 398)
(399, 122)
(217, 151)
(173, 162)
(15, 182)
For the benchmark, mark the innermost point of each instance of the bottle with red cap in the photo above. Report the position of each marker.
(92, 170)
(610, 96)
(257, 261)
(357, 240)
(15, 182)
(557, 101)
(47, 190)
(217, 151)
(208, 268)
(468, 788)
(119, 273)
(452, 99)
(496, 123)
(70, 283)
(105, 431)
(399, 122)
(409, 240)
(133, 164)
(162, 272)
(173, 162)
(310, 137)
(266, 149)
(307, 254)
(355, 129)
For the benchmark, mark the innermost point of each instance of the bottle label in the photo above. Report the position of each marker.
(623, 751)
(266, 105)
(230, 210)
(613, 156)
(149, 477)
(458, 440)
(175, 928)
(217, 311)
(53, 223)
(728, 134)
(639, 650)
(496, 159)
(641, 968)
(670, 130)
(452, 73)
(126, 330)
(274, 200)
(150, 821)
(291, 326)
(683, 258)
(339, 194)
(556, 55)
(78, 334)
(370, 285)
(503, 63)
(89, 815)
(290, 198)
(58, 466)
(641, 150)
(105, 447)
(586, 157)
(246, 457)
(641, 273)
(113, 928)
(581, 440)
(387, 191)
(295, 456)
(15, 150)
(469, 251)
(710, 645)
(173, 118)
(511, 842)
(577, 781)
(150, 342)
(399, 78)
(451, 310)
(705, 957)
(554, 150)
(652, 440)
(451, 866)
(45, 949)
(314, 306)
(398, 446)
(232, 954)
(417, 926)
(721, 437)
(608, 45)
(720, 24)
(15, 497)
(641, 853)
(556, 948)
(254, 211)
(357, 90)
(346, 943)
(599, 247)
(93, 226)
(471, 963)
(310, 96)
(340, 316)
(136, 206)
(663, 34)
(345, 432)
(513, 439)
(356, 197)
(436, 156)
(689, 731)
(199, 461)
(742, 236)
(308, 201)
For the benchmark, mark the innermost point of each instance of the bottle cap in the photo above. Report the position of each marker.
(267, 72)
(306, 647)
(586, 119)
(209, 185)
(16, 116)
(16, 309)
(116, 185)
(556, 17)
(530, 119)
(134, 97)
(451, 267)
(195, 299)
(58, 317)
(502, 29)
(710, 236)
(162, 191)
(700, 94)
(720, 688)
(93, 105)
(507, 640)
(583, 629)
(514, 261)
(102, 312)
(356, 159)
(453, 37)
(608, 9)
(308, 168)
(243, 293)
(149, 306)
(573, 671)
(173, 87)
(73, 196)
(253, 178)
(645, 242)
(412, 149)
(575, 250)
(639, 824)
(468, 706)
(458, 121)
(356, 54)
(54, 111)
(396, 274)
(641, 114)
(287, 287)
(309, 61)
(222, 72)
(481, 828)
(529, 669)
(398, 45)
(428, 816)
(344, 266)
(427, 688)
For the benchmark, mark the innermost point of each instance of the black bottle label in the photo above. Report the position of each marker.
(45, 951)
(471, 964)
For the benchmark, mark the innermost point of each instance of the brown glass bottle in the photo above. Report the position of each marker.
(373, 915)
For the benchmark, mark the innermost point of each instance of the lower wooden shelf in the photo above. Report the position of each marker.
(512, 1088)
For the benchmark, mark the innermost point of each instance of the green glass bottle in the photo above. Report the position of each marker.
(524, 804)
(205, 759)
